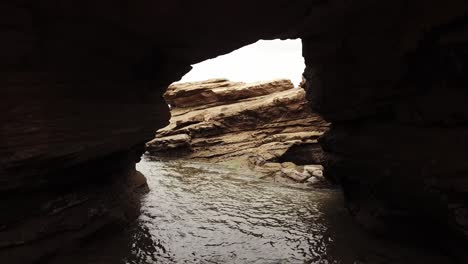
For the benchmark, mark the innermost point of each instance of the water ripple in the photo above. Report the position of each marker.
(207, 213)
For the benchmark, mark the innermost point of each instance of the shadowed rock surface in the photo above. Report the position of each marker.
(81, 85)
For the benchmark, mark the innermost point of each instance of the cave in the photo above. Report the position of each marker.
(81, 94)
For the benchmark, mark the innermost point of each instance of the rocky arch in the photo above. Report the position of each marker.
(81, 84)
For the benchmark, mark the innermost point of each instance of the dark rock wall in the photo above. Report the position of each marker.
(395, 89)
(81, 82)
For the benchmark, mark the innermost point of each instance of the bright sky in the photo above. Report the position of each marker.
(261, 61)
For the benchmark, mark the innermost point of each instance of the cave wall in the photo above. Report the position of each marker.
(81, 85)
(394, 87)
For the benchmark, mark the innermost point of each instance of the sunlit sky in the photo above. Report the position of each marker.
(261, 61)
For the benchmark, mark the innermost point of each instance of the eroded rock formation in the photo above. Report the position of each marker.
(81, 83)
(256, 123)
(221, 120)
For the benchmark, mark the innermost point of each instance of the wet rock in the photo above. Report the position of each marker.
(288, 172)
(169, 143)
(295, 175)
(314, 170)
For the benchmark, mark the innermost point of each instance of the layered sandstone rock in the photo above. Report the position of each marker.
(221, 120)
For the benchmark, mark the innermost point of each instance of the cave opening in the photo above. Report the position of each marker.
(248, 106)
(240, 164)
(263, 60)
(240, 131)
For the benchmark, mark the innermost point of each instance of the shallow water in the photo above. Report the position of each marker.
(213, 214)
(208, 213)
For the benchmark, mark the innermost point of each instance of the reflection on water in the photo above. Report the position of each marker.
(207, 213)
